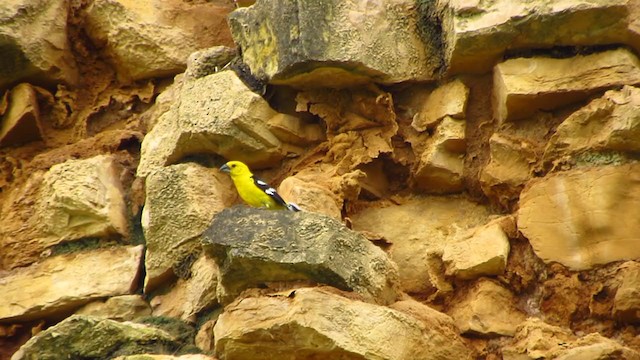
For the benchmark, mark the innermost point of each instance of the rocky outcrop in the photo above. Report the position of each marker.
(580, 218)
(302, 323)
(119, 308)
(286, 42)
(265, 247)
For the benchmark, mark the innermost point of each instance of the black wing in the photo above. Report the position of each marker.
(269, 191)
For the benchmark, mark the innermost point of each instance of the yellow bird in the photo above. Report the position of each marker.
(254, 191)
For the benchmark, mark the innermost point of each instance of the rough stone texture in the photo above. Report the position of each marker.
(58, 284)
(190, 296)
(477, 33)
(583, 217)
(441, 165)
(181, 202)
(524, 85)
(314, 197)
(20, 123)
(487, 309)
(34, 42)
(143, 40)
(287, 42)
(86, 337)
(204, 338)
(165, 357)
(303, 323)
(292, 129)
(608, 123)
(418, 241)
(449, 99)
(213, 114)
(119, 308)
(483, 252)
(208, 61)
(255, 246)
(626, 304)
(73, 200)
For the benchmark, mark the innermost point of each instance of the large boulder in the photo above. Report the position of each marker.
(145, 39)
(583, 217)
(216, 114)
(287, 42)
(34, 42)
(59, 284)
(312, 323)
(254, 247)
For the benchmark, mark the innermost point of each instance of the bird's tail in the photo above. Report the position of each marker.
(293, 207)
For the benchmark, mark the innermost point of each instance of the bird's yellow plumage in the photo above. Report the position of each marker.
(254, 191)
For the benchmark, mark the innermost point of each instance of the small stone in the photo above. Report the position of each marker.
(447, 100)
(21, 122)
(119, 308)
(626, 304)
(310, 195)
(292, 129)
(208, 61)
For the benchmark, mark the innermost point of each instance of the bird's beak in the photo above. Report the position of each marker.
(225, 168)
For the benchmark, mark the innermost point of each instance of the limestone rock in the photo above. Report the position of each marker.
(256, 246)
(449, 99)
(165, 357)
(78, 278)
(311, 196)
(21, 122)
(213, 114)
(190, 296)
(418, 230)
(143, 39)
(583, 217)
(86, 337)
(477, 33)
(441, 165)
(294, 130)
(204, 339)
(208, 61)
(487, 309)
(314, 323)
(46, 56)
(611, 122)
(595, 346)
(483, 252)
(509, 168)
(524, 85)
(119, 308)
(287, 42)
(180, 203)
(626, 304)
(73, 200)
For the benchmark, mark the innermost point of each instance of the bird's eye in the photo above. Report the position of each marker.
(234, 165)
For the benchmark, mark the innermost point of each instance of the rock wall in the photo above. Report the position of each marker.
(468, 173)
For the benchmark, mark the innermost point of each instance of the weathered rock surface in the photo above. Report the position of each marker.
(315, 323)
(315, 197)
(190, 296)
(524, 85)
(626, 304)
(287, 42)
(487, 309)
(608, 123)
(20, 123)
(208, 61)
(213, 114)
(59, 284)
(583, 217)
(292, 129)
(119, 308)
(181, 202)
(483, 252)
(165, 357)
(256, 246)
(86, 337)
(35, 42)
(449, 99)
(73, 200)
(418, 241)
(477, 33)
(143, 40)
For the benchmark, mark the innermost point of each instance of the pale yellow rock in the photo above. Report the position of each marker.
(483, 252)
(21, 122)
(60, 283)
(119, 308)
(611, 122)
(181, 201)
(487, 309)
(594, 346)
(292, 129)
(309, 195)
(165, 357)
(523, 86)
(449, 99)
(534, 339)
(204, 338)
(583, 217)
(626, 304)
(418, 230)
(441, 164)
(477, 33)
(314, 323)
(189, 297)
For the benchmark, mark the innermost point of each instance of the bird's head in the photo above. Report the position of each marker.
(235, 168)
